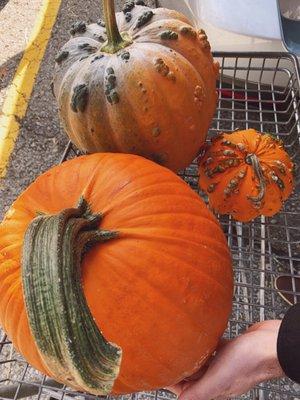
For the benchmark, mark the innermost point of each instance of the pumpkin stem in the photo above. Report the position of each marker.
(67, 337)
(253, 160)
(115, 40)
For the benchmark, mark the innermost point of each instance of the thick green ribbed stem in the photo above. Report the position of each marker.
(253, 160)
(115, 40)
(67, 337)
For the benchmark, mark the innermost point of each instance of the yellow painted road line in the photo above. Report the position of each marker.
(19, 92)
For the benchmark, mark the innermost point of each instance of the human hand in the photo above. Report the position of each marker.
(238, 366)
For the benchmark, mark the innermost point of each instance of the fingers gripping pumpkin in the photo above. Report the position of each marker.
(151, 299)
(246, 174)
(150, 90)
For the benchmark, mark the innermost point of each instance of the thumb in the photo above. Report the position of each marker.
(207, 388)
(203, 389)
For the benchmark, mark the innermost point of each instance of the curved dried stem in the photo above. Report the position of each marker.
(253, 160)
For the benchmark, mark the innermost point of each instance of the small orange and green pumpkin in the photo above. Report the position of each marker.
(246, 174)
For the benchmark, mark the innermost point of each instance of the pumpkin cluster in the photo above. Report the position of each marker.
(115, 277)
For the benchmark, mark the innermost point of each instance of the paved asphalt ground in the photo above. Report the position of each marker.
(41, 140)
(16, 20)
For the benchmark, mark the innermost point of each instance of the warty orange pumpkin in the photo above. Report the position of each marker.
(150, 300)
(149, 90)
(246, 174)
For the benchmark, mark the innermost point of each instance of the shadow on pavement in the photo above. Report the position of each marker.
(7, 70)
(3, 3)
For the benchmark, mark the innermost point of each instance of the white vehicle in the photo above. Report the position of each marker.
(239, 25)
(245, 25)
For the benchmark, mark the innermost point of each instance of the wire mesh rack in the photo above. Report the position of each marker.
(259, 91)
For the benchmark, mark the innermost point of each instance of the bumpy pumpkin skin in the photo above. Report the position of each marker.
(155, 98)
(230, 180)
(162, 290)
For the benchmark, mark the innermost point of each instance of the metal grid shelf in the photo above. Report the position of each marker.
(259, 91)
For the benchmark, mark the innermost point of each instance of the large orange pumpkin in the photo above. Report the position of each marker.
(158, 286)
(150, 90)
(246, 174)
